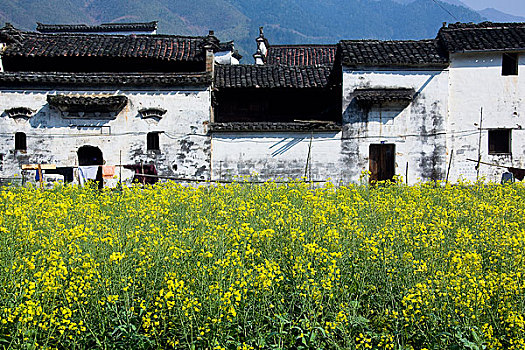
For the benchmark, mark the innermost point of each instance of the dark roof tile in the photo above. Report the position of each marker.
(153, 46)
(301, 55)
(486, 36)
(265, 76)
(392, 53)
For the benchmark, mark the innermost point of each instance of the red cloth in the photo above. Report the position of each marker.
(146, 169)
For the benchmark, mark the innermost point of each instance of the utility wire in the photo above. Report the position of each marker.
(445, 9)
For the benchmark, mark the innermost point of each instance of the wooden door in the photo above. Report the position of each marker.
(382, 162)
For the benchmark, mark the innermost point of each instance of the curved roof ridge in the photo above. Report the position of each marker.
(66, 34)
(302, 45)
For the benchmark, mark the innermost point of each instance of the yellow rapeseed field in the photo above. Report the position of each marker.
(263, 267)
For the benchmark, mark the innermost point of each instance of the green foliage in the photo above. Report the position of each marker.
(266, 266)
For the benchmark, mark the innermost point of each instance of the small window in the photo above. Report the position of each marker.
(499, 141)
(153, 141)
(510, 64)
(20, 141)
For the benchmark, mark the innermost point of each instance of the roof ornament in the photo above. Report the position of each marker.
(211, 41)
(20, 113)
(9, 34)
(262, 48)
(152, 112)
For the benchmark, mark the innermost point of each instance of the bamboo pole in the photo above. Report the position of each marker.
(449, 165)
(479, 143)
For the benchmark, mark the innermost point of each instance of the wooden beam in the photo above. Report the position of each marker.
(39, 166)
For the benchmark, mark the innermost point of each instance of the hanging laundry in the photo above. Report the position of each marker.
(507, 177)
(108, 171)
(66, 172)
(146, 169)
(86, 173)
(518, 173)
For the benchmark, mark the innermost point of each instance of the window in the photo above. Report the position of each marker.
(20, 141)
(499, 141)
(153, 141)
(510, 64)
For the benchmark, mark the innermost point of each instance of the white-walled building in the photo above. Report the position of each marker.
(394, 109)
(486, 109)
(75, 99)
(423, 110)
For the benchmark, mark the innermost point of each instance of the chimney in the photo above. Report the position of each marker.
(211, 43)
(262, 48)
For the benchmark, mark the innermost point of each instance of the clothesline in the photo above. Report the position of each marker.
(225, 181)
(518, 173)
(94, 172)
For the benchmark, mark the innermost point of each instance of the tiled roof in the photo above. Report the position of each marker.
(104, 27)
(156, 47)
(486, 36)
(392, 53)
(270, 126)
(265, 76)
(13, 79)
(368, 96)
(301, 55)
(75, 104)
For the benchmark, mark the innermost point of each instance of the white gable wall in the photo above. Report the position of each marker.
(476, 82)
(277, 155)
(417, 131)
(51, 139)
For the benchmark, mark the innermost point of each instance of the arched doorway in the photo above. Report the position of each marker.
(89, 156)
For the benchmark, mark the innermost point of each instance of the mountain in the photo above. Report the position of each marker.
(497, 16)
(451, 2)
(284, 21)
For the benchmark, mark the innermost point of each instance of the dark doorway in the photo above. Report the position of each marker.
(90, 155)
(382, 162)
(153, 143)
(20, 141)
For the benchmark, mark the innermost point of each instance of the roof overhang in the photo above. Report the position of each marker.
(318, 126)
(87, 104)
(367, 97)
(127, 80)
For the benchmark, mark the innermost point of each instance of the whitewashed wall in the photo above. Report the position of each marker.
(277, 155)
(51, 139)
(476, 83)
(418, 131)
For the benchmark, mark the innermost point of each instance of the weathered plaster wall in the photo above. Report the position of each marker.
(475, 83)
(276, 155)
(418, 130)
(184, 147)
